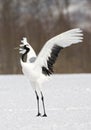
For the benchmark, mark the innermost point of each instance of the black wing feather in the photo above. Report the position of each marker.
(51, 60)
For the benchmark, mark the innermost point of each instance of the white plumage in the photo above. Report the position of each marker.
(39, 68)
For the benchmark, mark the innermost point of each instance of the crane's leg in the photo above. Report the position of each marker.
(39, 114)
(42, 98)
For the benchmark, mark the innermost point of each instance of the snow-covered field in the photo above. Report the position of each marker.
(67, 99)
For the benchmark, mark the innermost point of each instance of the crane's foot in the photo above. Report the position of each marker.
(44, 115)
(39, 114)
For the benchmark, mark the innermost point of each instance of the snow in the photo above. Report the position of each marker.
(67, 99)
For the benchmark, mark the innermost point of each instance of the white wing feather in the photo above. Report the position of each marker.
(65, 39)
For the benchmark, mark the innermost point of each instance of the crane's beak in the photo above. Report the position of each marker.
(19, 47)
(16, 48)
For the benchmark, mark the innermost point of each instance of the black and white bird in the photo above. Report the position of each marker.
(39, 68)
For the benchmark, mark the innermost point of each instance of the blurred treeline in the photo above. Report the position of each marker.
(39, 20)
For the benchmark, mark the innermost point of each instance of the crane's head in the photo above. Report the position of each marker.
(24, 46)
(26, 50)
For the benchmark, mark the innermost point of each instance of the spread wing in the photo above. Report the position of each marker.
(51, 49)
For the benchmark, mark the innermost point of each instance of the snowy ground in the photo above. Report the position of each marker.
(67, 99)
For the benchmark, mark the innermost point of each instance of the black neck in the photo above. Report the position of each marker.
(23, 56)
